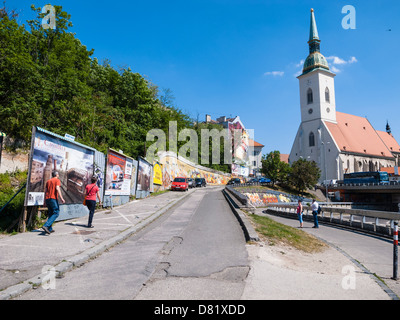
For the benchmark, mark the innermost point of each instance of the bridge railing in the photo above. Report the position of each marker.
(363, 184)
(379, 222)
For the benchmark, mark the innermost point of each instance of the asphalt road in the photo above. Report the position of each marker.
(194, 251)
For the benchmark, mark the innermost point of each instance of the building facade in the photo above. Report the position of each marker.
(246, 153)
(255, 157)
(338, 142)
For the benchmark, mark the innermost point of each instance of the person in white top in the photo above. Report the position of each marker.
(314, 208)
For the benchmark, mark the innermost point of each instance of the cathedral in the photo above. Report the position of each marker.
(338, 142)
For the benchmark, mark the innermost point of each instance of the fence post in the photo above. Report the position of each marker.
(395, 249)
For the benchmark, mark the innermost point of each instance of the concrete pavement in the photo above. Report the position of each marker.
(371, 255)
(27, 259)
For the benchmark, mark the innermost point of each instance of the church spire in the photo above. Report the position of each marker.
(315, 59)
(313, 27)
(313, 41)
(388, 130)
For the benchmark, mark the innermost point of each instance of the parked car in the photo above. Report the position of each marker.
(264, 180)
(234, 181)
(180, 183)
(190, 182)
(200, 182)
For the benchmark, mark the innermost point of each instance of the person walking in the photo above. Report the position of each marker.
(52, 193)
(314, 208)
(300, 213)
(91, 191)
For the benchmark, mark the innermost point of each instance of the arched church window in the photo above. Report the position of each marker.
(309, 96)
(327, 97)
(311, 139)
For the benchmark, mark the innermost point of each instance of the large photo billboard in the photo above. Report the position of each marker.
(73, 162)
(145, 171)
(118, 174)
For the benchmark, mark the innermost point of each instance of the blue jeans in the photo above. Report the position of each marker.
(91, 205)
(54, 212)
(315, 215)
(300, 216)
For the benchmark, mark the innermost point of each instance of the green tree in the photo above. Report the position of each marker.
(49, 79)
(274, 168)
(19, 81)
(304, 175)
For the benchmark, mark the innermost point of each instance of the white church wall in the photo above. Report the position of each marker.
(301, 149)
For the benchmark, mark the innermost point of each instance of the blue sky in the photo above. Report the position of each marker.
(237, 57)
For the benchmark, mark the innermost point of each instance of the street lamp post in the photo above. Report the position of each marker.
(326, 172)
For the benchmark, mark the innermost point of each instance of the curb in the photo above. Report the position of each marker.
(81, 258)
(249, 233)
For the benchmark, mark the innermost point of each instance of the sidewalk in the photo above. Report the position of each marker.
(368, 256)
(25, 258)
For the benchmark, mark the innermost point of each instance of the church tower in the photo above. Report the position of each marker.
(337, 142)
(317, 86)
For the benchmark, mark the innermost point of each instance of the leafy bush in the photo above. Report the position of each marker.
(10, 183)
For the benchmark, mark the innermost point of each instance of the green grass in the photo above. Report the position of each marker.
(276, 233)
(159, 192)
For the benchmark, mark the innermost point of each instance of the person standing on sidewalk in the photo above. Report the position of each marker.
(300, 213)
(52, 193)
(314, 208)
(91, 191)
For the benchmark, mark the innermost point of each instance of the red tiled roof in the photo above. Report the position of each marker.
(284, 157)
(389, 140)
(253, 143)
(356, 134)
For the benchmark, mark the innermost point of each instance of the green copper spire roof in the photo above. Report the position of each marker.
(313, 28)
(315, 59)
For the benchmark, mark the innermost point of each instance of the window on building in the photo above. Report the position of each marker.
(311, 139)
(309, 96)
(327, 97)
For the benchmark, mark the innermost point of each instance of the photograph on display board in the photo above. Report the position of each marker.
(74, 164)
(118, 174)
(133, 177)
(144, 175)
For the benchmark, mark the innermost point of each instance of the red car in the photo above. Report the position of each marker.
(180, 183)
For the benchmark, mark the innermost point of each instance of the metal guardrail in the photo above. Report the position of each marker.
(395, 184)
(379, 222)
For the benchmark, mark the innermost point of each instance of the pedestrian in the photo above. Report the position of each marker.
(314, 208)
(91, 191)
(300, 213)
(52, 193)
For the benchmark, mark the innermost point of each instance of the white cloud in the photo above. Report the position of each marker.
(274, 73)
(352, 60)
(299, 72)
(334, 69)
(300, 64)
(334, 60)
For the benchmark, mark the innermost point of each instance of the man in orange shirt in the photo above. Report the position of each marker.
(52, 193)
